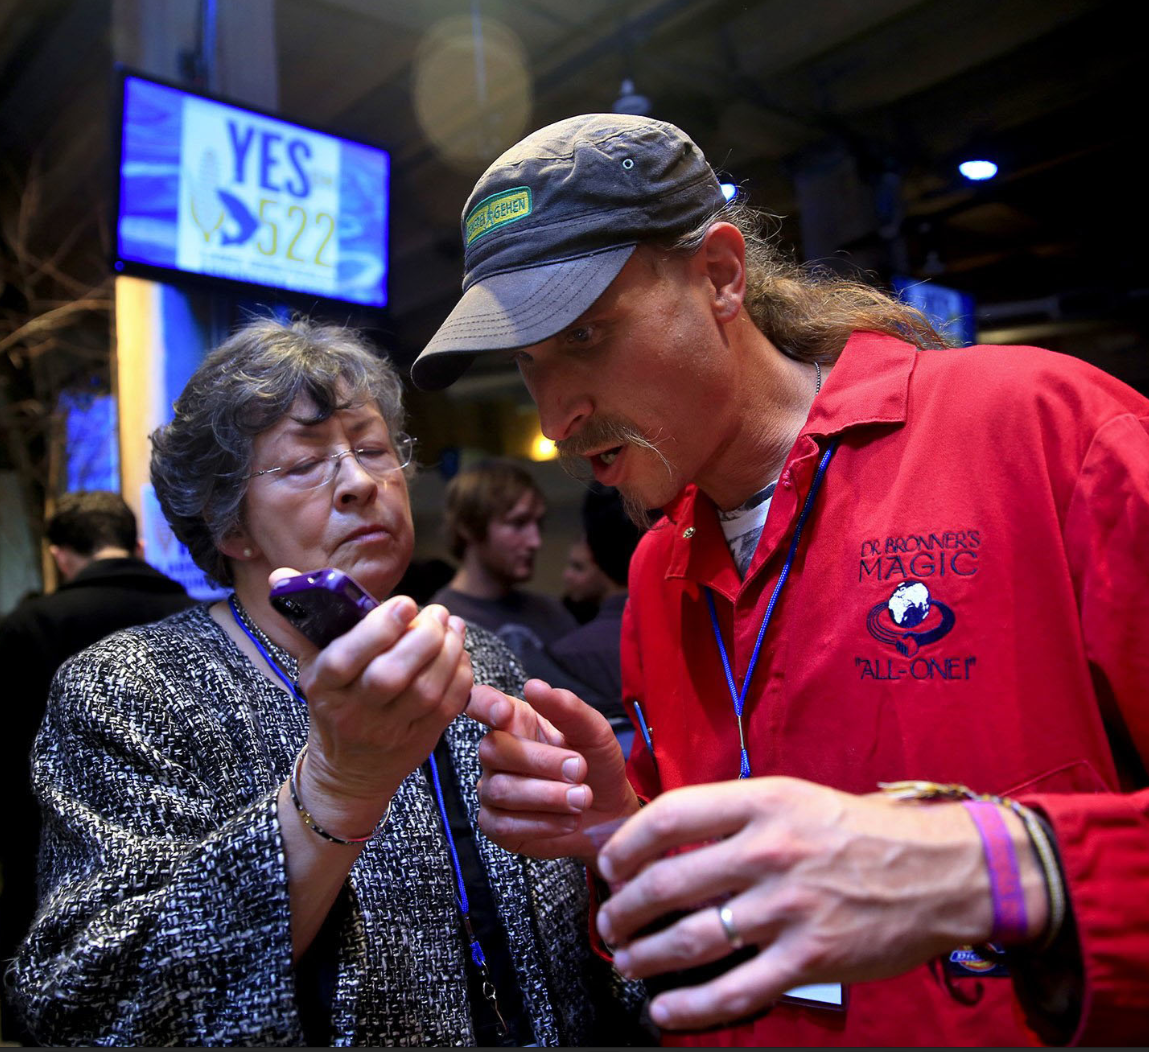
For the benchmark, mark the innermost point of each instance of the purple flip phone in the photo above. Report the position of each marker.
(322, 604)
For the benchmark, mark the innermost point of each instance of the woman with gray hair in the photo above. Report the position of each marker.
(249, 840)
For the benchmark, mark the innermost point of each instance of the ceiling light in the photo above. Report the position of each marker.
(728, 190)
(629, 101)
(978, 171)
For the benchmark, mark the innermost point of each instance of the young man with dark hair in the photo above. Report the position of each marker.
(104, 586)
(87, 526)
(493, 520)
(883, 563)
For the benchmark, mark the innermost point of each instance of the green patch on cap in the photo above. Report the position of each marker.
(498, 210)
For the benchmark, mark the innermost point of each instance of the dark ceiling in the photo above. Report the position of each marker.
(847, 119)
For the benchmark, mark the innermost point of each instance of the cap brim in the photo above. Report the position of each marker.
(515, 309)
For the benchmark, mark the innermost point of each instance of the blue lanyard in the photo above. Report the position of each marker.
(461, 900)
(271, 662)
(464, 905)
(739, 697)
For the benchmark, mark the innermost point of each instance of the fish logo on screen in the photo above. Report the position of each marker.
(206, 211)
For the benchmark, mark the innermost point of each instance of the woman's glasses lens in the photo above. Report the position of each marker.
(379, 461)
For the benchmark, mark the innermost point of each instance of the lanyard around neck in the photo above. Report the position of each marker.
(738, 697)
(477, 956)
(264, 652)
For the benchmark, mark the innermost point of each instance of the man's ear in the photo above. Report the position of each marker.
(722, 255)
(62, 558)
(69, 562)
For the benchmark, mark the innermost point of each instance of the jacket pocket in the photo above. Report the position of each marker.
(1078, 776)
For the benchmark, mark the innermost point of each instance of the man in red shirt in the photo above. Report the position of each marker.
(882, 563)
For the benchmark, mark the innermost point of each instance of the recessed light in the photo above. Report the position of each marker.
(978, 171)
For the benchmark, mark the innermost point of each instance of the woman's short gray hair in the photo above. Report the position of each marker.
(249, 383)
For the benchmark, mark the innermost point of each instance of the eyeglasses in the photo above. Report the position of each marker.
(378, 461)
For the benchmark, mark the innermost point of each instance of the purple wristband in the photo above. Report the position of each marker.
(1009, 916)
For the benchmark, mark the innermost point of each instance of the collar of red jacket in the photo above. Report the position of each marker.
(868, 385)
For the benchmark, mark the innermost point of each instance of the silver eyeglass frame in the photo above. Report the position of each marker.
(404, 448)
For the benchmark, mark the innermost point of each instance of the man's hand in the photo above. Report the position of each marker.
(552, 771)
(831, 886)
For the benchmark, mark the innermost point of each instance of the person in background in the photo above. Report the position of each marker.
(104, 585)
(424, 577)
(493, 522)
(584, 584)
(887, 642)
(591, 651)
(252, 841)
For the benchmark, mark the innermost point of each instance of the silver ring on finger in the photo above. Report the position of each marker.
(733, 936)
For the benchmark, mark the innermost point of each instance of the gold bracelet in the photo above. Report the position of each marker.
(314, 826)
(1051, 871)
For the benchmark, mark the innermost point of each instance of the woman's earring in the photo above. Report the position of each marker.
(248, 553)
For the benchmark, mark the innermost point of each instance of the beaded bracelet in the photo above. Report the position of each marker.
(1039, 837)
(314, 826)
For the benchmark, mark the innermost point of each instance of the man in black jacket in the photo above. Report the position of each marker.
(105, 586)
(591, 651)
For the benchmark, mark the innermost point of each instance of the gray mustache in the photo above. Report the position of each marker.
(599, 433)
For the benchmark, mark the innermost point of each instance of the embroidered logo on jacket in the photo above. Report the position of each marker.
(920, 556)
(914, 570)
(910, 619)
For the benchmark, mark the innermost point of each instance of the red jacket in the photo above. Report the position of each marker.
(1004, 493)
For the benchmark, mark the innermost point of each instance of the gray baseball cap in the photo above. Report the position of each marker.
(551, 223)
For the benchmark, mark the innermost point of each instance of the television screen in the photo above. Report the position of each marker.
(222, 191)
(951, 310)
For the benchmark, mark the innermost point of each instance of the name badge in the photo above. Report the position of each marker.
(818, 995)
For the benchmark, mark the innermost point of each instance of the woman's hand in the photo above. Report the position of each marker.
(379, 697)
(553, 772)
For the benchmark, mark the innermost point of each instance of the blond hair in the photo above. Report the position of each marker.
(807, 312)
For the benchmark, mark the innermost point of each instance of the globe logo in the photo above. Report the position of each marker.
(910, 619)
(909, 606)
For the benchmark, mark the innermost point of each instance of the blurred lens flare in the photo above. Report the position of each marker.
(472, 90)
(542, 448)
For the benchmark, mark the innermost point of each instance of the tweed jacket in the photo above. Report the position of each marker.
(164, 916)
